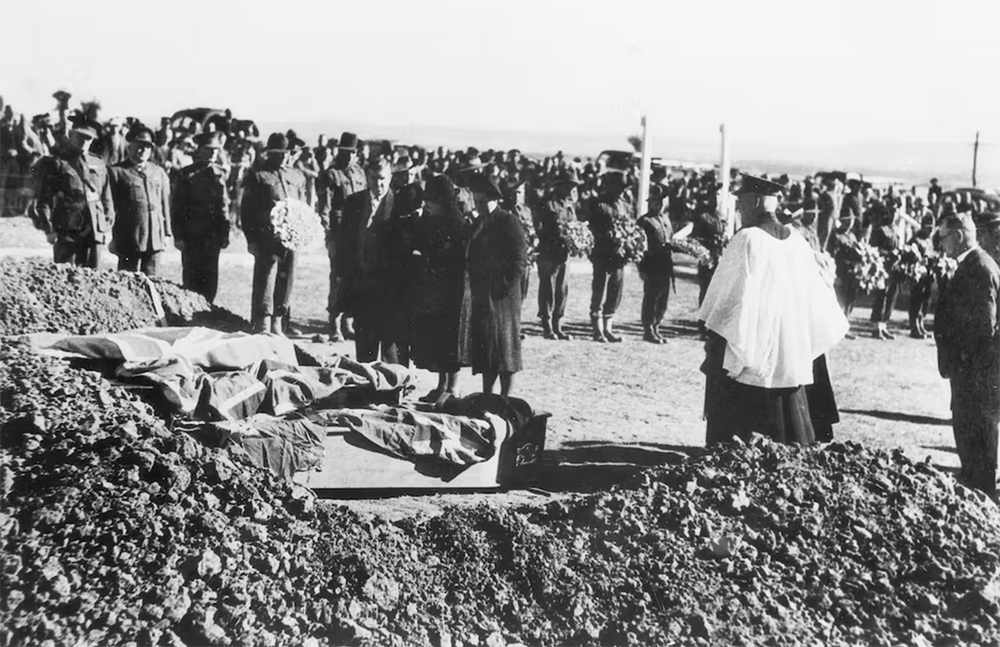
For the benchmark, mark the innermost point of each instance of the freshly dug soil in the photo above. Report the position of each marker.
(116, 530)
(41, 296)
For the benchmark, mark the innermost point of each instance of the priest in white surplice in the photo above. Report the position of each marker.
(769, 314)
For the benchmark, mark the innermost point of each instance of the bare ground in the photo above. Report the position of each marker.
(618, 407)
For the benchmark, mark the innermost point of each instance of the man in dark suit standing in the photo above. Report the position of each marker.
(966, 330)
(360, 263)
(657, 266)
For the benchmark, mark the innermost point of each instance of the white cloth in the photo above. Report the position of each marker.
(772, 306)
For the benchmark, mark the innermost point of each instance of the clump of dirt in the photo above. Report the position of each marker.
(40, 296)
(115, 530)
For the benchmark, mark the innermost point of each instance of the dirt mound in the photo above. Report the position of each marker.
(40, 296)
(115, 530)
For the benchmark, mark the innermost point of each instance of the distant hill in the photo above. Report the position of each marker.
(905, 161)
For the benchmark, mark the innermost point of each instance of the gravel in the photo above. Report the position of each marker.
(116, 530)
(41, 296)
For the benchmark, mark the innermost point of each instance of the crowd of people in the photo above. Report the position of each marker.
(431, 251)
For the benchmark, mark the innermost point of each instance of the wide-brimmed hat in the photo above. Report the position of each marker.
(440, 189)
(277, 142)
(470, 163)
(486, 185)
(347, 142)
(402, 165)
(569, 176)
(759, 185)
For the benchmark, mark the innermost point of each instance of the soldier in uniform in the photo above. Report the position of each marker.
(657, 265)
(333, 187)
(274, 265)
(553, 286)
(74, 206)
(141, 191)
(201, 216)
(609, 270)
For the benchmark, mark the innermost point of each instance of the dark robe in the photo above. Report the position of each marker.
(496, 257)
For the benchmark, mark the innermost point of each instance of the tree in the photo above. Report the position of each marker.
(636, 142)
(91, 109)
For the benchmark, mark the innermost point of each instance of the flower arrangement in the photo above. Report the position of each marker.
(295, 224)
(628, 239)
(910, 262)
(941, 266)
(530, 235)
(692, 248)
(577, 238)
(870, 269)
(715, 245)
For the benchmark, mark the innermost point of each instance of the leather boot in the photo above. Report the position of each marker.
(277, 326)
(649, 335)
(547, 329)
(347, 327)
(609, 330)
(557, 329)
(335, 335)
(598, 324)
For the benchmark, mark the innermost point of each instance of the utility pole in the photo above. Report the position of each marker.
(975, 158)
(647, 156)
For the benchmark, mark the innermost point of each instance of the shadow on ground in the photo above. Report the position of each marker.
(899, 417)
(581, 466)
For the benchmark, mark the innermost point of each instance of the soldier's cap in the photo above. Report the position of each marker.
(209, 140)
(84, 126)
(485, 185)
(758, 185)
(294, 142)
(408, 198)
(140, 134)
(347, 142)
(277, 142)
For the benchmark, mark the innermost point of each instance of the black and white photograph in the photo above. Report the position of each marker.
(469, 323)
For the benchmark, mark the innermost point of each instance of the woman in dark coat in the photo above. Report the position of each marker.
(440, 300)
(495, 259)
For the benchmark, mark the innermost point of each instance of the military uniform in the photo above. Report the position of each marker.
(553, 286)
(142, 204)
(74, 203)
(656, 270)
(201, 224)
(609, 269)
(274, 265)
(333, 188)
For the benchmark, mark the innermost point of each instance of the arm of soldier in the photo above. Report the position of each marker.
(107, 197)
(46, 197)
(247, 206)
(165, 204)
(323, 199)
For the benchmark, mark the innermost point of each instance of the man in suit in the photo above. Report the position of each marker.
(141, 190)
(274, 265)
(966, 331)
(74, 206)
(360, 263)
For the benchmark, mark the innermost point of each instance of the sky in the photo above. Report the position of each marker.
(794, 73)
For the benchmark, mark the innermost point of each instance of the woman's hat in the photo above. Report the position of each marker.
(348, 142)
(408, 198)
(440, 190)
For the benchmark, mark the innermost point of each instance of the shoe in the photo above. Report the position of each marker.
(335, 335)
(431, 395)
(850, 335)
(609, 330)
(651, 338)
(882, 333)
(277, 327)
(547, 331)
(557, 329)
(598, 325)
(916, 334)
(293, 331)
